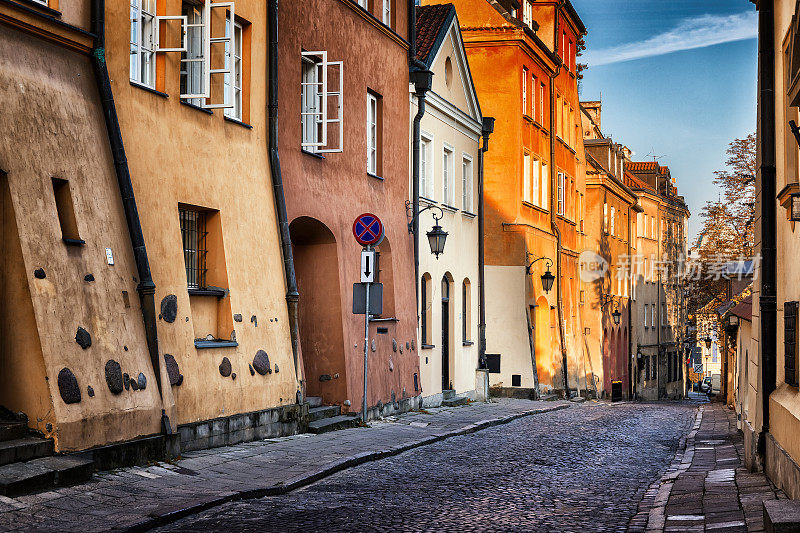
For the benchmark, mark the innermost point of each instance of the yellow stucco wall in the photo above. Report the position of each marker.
(181, 155)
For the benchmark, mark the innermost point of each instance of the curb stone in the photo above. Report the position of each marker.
(168, 515)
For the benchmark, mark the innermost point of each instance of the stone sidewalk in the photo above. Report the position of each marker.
(707, 487)
(135, 499)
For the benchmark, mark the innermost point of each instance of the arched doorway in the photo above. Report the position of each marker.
(321, 336)
(542, 341)
(447, 345)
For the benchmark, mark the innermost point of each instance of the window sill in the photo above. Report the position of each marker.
(535, 207)
(219, 293)
(371, 175)
(312, 154)
(148, 89)
(202, 344)
(467, 343)
(238, 122)
(426, 199)
(468, 214)
(41, 7)
(449, 208)
(427, 346)
(73, 242)
(193, 106)
(387, 319)
(527, 117)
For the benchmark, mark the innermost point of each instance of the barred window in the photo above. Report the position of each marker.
(194, 237)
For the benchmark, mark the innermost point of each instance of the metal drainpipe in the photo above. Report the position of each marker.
(631, 390)
(553, 200)
(487, 129)
(146, 288)
(292, 295)
(415, 189)
(768, 296)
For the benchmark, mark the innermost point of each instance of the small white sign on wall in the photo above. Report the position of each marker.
(367, 266)
(109, 256)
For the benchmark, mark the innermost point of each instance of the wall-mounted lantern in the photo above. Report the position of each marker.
(733, 320)
(616, 315)
(794, 207)
(708, 343)
(547, 278)
(436, 236)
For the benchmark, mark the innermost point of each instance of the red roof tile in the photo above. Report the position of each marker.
(634, 182)
(430, 22)
(642, 166)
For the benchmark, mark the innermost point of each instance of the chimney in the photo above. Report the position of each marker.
(593, 108)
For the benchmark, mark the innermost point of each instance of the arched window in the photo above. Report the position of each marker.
(425, 315)
(466, 310)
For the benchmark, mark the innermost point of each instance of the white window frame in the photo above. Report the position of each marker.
(613, 221)
(362, 3)
(235, 92)
(545, 188)
(467, 177)
(536, 171)
(202, 56)
(524, 90)
(372, 134)
(645, 316)
(426, 165)
(561, 193)
(448, 192)
(321, 113)
(526, 177)
(387, 12)
(527, 12)
(144, 42)
(605, 217)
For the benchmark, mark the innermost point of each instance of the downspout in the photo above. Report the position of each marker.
(768, 295)
(422, 79)
(553, 204)
(631, 388)
(146, 288)
(292, 295)
(487, 129)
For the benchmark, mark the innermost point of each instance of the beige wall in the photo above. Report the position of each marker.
(54, 128)
(460, 131)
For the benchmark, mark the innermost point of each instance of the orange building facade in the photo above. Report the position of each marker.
(524, 69)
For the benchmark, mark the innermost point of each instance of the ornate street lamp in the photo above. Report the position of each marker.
(616, 315)
(436, 238)
(547, 278)
(708, 343)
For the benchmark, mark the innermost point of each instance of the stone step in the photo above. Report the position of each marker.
(448, 394)
(10, 430)
(44, 473)
(454, 402)
(325, 411)
(24, 449)
(314, 401)
(332, 424)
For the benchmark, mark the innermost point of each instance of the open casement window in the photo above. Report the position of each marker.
(144, 39)
(322, 98)
(207, 47)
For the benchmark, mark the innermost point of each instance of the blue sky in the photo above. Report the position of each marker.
(677, 79)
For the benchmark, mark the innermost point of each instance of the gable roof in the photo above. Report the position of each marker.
(635, 183)
(433, 22)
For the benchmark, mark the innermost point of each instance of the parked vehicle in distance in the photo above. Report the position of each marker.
(705, 385)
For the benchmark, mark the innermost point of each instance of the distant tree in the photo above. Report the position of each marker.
(728, 222)
(580, 67)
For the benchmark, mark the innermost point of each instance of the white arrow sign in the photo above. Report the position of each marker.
(367, 266)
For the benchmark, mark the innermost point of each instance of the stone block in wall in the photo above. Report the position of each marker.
(219, 426)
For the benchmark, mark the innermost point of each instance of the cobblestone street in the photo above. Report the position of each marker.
(580, 469)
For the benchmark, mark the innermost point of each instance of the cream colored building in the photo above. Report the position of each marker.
(450, 135)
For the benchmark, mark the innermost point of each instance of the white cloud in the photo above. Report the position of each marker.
(698, 32)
